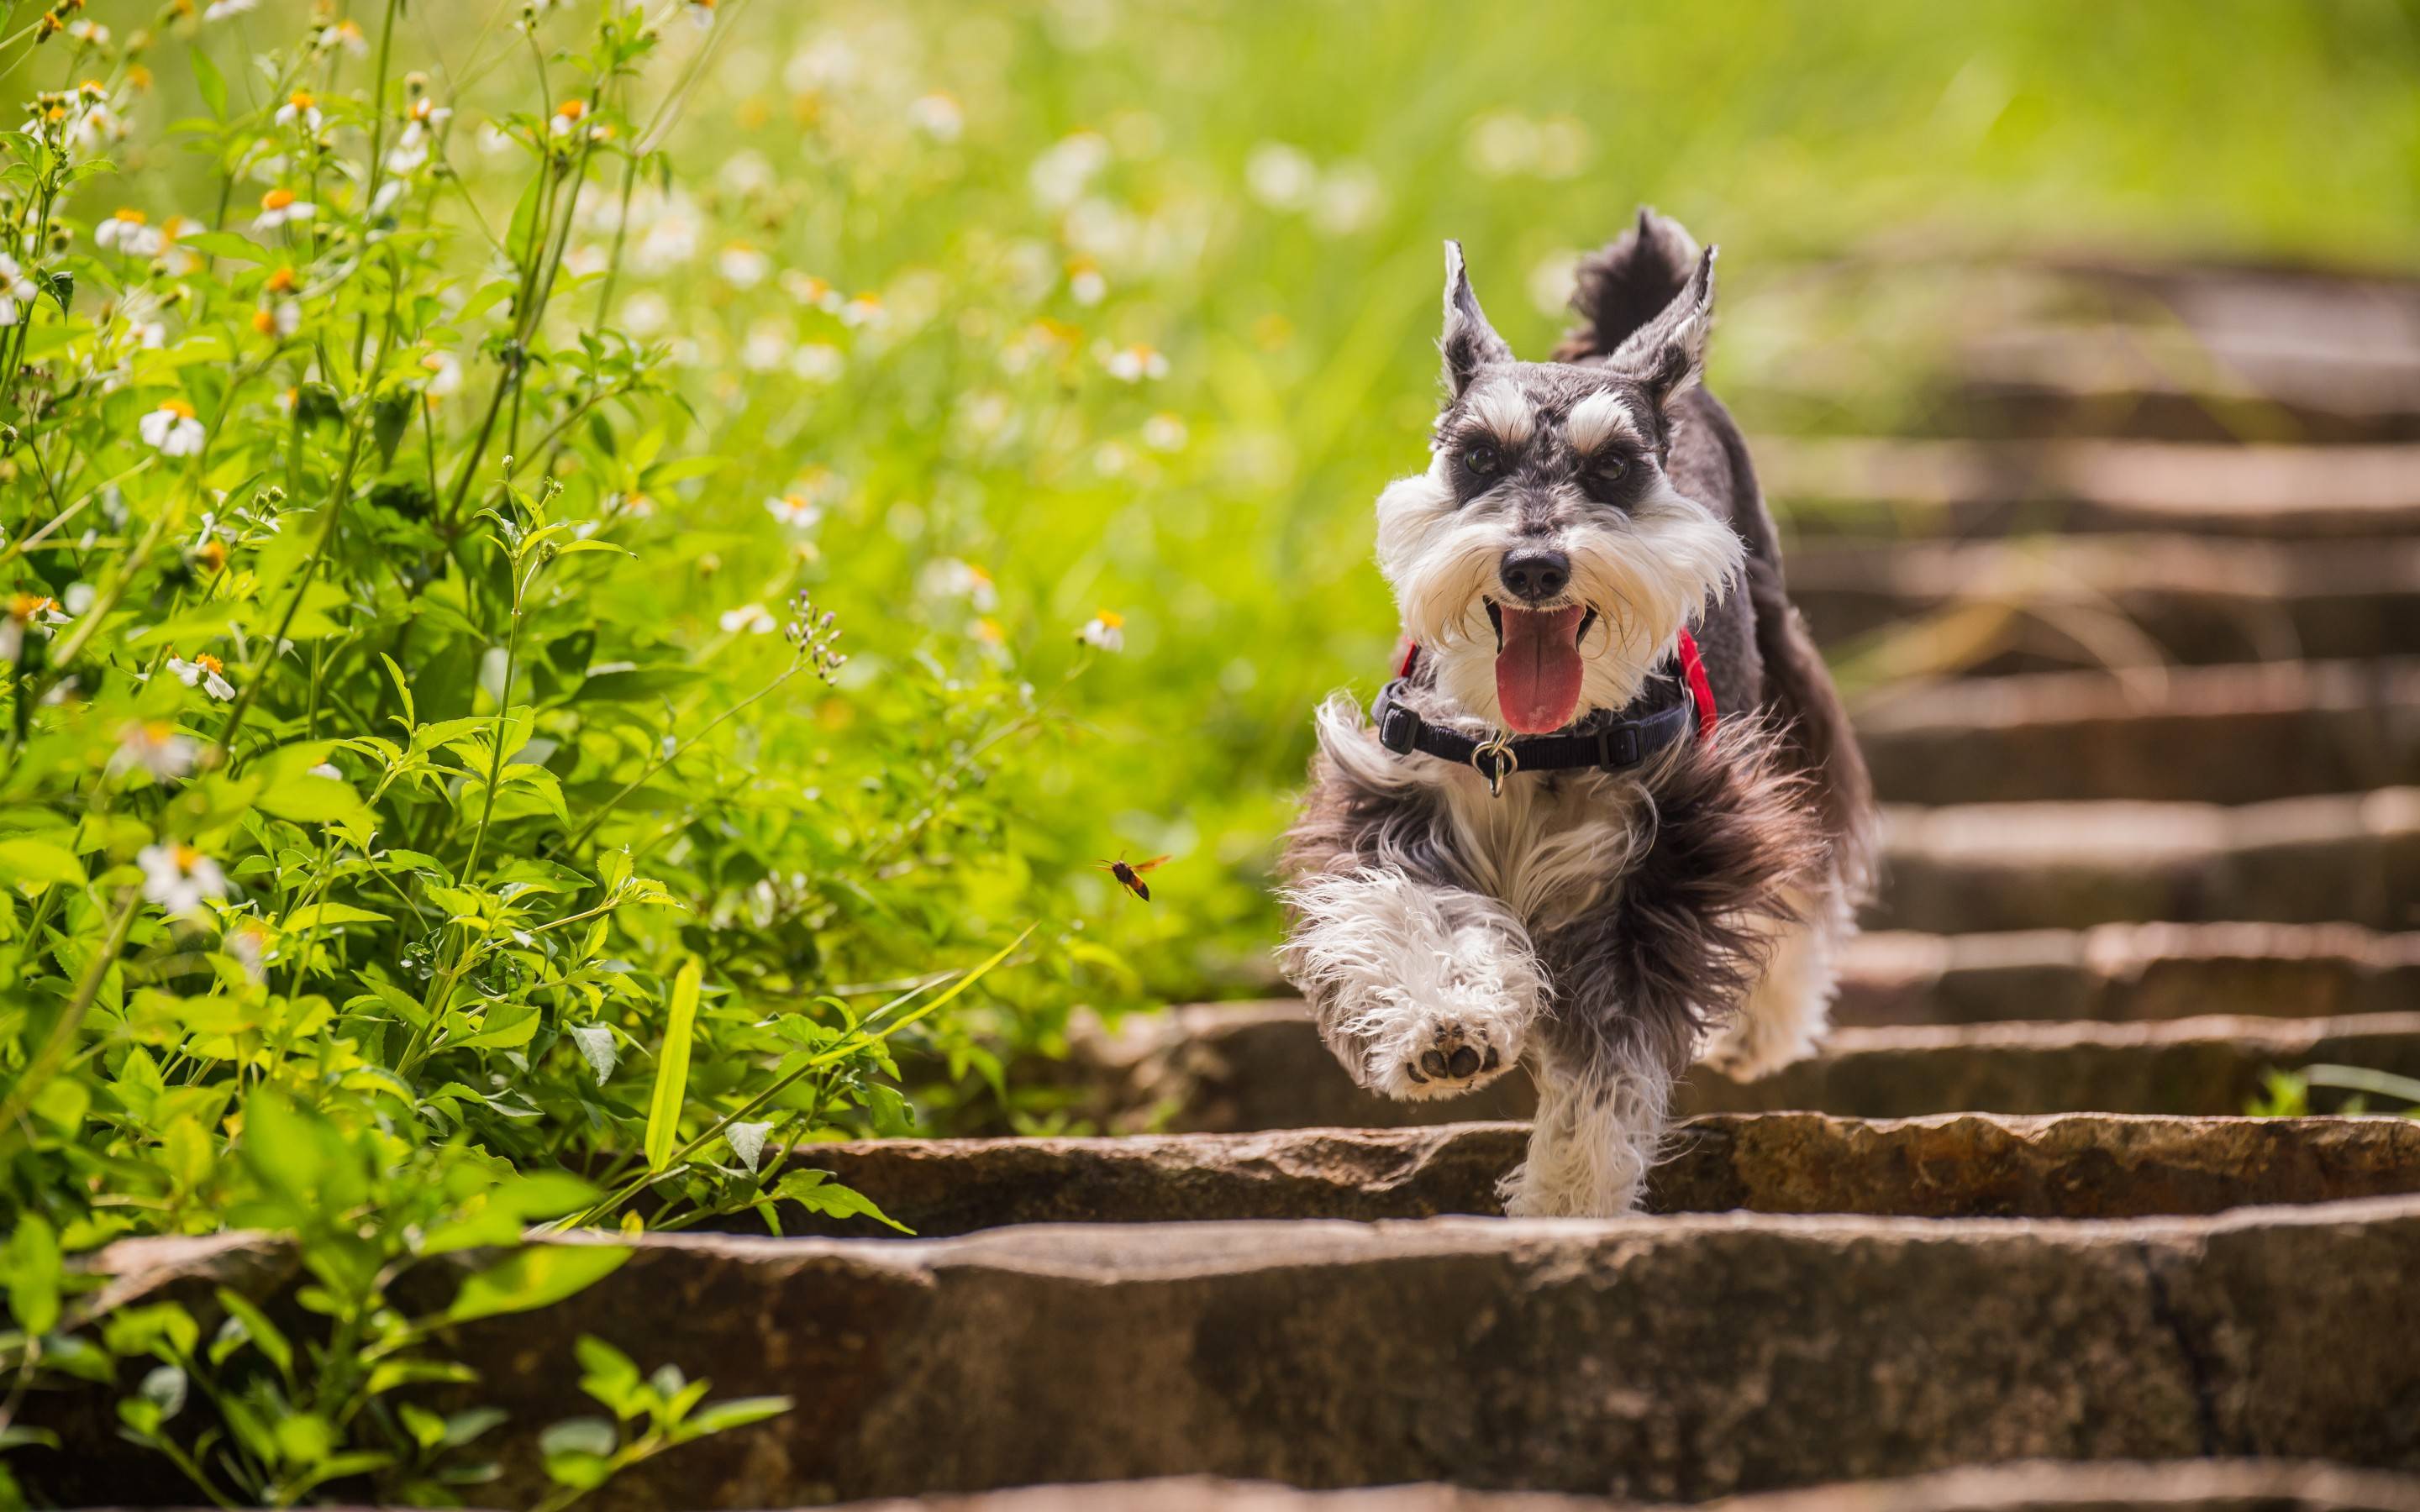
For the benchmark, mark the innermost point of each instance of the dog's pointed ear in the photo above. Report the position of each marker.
(1469, 343)
(1668, 353)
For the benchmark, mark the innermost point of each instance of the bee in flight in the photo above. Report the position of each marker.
(1130, 877)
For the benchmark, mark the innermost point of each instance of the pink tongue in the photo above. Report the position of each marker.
(1538, 672)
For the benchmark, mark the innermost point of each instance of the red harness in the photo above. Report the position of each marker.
(1693, 671)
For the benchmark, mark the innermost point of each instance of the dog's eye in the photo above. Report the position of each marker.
(1610, 469)
(1482, 460)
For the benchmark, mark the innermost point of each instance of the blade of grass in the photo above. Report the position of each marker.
(672, 1069)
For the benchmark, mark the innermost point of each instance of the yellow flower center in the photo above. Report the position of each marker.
(280, 281)
(178, 408)
(571, 110)
(264, 321)
(186, 857)
(301, 100)
(1110, 619)
(209, 664)
(130, 217)
(277, 199)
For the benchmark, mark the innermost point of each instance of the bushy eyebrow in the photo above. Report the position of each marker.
(1504, 414)
(1598, 419)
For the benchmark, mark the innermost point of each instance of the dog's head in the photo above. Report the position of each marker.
(1544, 561)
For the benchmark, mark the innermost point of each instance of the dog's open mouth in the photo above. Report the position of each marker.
(1537, 669)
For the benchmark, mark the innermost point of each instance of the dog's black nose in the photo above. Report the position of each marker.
(1534, 575)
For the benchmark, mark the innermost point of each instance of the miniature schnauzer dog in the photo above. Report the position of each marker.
(1610, 818)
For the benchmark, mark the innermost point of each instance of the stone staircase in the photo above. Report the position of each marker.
(2144, 703)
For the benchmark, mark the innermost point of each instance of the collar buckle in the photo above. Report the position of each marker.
(1495, 760)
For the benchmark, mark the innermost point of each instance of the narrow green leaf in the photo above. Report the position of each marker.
(539, 1276)
(38, 861)
(672, 1069)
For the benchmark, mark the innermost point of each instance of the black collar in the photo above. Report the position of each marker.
(1616, 746)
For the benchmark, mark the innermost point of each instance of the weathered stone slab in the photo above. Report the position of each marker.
(1964, 1165)
(1861, 486)
(2204, 734)
(2033, 1486)
(2196, 601)
(1675, 1358)
(2160, 383)
(1975, 867)
(2127, 972)
(1180, 1070)
(2029, 1486)
(2205, 1066)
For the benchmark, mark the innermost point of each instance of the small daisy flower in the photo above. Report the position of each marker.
(1105, 630)
(281, 319)
(128, 231)
(279, 206)
(807, 288)
(444, 374)
(818, 361)
(743, 265)
(153, 745)
(1085, 284)
(747, 619)
(300, 107)
(567, 116)
(950, 578)
(221, 10)
(937, 116)
(633, 506)
(865, 310)
(16, 291)
(205, 671)
(180, 878)
(347, 35)
(248, 943)
(1165, 432)
(327, 770)
(90, 33)
(700, 12)
(1132, 365)
(172, 428)
(422, 121)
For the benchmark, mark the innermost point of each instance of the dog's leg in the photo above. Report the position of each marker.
(1602, 1106)
(1421, 989)
(1790, 1005)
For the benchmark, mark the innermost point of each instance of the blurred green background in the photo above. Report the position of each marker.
(1132, 307)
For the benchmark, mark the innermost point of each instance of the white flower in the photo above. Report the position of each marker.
(865, 310)
(128, 232)
(937, 116)
(172, 428)
(1350, 197)
(795, 511)
(568, 116)
(206, 670)
(747, 619)
(421, 124)
(153, 745)
(1164, 432)
(743, 265)
(766, 347)
(1085, 284)
(346, 35)
(701, 13)
(1280, 176)
(283, 319)
(1106, 629)
(1132, 365)
(444, 374)
(220, 10)
(644, 312)
(90, 33)
(807, 288)
(818, 361)
(248, 943)
(299, 106)
(97, 127)
(1060, 174)
(278, 207)
(16, 290)
(669, 242)
(180, 878)
(953, 578)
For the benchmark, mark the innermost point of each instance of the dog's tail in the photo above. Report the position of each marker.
(1627, 283)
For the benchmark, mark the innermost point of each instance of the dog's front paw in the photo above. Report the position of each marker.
(1444, 1054)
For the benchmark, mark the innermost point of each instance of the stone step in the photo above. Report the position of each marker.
(2127, 972)
(1979, 868)
(1951, 1166)
(2086, 600)
(1245, 1067)
(2194, 1066)
(2034, 1486)
(2164, 383)
(2203, 734)
(1673, 1358)
(1865, 486)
